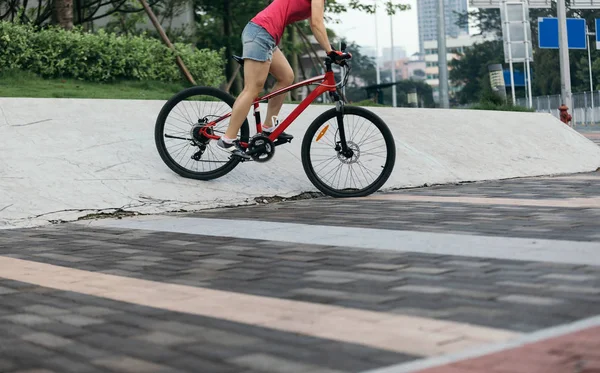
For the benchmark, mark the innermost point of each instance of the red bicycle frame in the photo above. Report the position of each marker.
(327, 84)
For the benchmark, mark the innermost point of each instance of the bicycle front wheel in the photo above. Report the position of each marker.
(361, 173)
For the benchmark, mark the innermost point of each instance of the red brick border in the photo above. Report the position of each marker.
(577, 352)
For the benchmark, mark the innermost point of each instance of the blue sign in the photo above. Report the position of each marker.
(597, 32)
(548, 33)
(519, 77)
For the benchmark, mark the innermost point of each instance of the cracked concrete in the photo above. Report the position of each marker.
(108, 161)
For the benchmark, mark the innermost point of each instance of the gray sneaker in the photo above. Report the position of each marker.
(233, 148)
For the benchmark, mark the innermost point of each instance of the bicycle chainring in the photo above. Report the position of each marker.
(261, 148)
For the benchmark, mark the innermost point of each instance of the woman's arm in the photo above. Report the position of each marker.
(317, 24)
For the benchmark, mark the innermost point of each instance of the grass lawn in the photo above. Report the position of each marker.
(25, 84)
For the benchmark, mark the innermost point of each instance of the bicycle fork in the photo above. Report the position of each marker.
(342, 145)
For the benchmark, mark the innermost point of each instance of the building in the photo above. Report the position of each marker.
(412, 68)
(454, 48)
(427, 13)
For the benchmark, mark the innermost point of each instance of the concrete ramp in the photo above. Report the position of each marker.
(62, 159)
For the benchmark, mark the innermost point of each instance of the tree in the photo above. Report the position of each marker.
(470, 72)
(545, 68)
(63, 13)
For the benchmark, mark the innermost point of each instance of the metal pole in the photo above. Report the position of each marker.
(589, 48)
(442, 58)
(377, 47)
(510, 60)
(527, 57)
(394, 92)
(565, 68)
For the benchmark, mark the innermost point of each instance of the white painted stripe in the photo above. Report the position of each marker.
(529, 249)
(393, 332)
(540, 335)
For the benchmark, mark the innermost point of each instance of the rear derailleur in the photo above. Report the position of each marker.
(200, 140)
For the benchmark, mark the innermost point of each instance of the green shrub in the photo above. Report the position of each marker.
(102, 56)
(486, 105)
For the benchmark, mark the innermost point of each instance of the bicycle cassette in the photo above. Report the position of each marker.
(261, 148)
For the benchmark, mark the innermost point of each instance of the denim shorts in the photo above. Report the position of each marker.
(258, 44)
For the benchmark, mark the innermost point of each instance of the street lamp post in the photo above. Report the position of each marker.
(442, 58)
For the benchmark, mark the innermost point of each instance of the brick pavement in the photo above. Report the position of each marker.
(44, 327)
(570, 352)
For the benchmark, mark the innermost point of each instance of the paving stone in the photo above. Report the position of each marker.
(567, 277)
(78, 320)
(299, 258)
(137, 349)
(116, 329)
(420, 289)
(45, 310)
(522, 285)
(162, 338)
(4, 290)
(576, 289)
(34, 371)
(189, 363)
(26, 319)
(136, 263)
(84, 351)
(422, 312)
(60, 257)
(465, 263)
(473, 294)
(60, 329)
(129, 364)
(328, 280)
(94, 311)
(20, 350)
(47, 340)
(334, 294)
(180, 243)
(426, 270)
(381, 266)
(532, 300)
(354, 275)
(6, 365)
(217, 262)
(128, 251)
(268, 363)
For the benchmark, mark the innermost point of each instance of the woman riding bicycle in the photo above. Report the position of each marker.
(261, 55)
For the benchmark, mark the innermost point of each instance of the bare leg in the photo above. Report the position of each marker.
(255, 75)
(283, 73)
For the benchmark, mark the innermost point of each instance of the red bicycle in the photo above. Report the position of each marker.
(347, 151)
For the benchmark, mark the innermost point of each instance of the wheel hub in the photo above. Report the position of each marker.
(198, 137)
(354, 155)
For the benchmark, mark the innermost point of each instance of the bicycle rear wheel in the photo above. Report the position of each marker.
(178, 141)
(366, 170)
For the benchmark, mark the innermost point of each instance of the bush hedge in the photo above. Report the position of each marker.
(102, 57)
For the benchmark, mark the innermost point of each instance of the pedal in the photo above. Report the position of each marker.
(281, 142)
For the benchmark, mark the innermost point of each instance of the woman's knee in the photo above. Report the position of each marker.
(287, 78)
(254, 87)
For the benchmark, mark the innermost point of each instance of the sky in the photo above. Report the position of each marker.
(360, 28)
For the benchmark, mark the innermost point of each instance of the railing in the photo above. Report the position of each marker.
(584, 111)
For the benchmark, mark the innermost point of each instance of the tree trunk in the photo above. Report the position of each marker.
(227, 31)
(63, 13)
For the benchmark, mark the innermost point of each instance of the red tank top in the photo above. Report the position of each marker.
(280, 13)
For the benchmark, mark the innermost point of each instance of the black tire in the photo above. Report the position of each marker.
(330, 118)
(161, 145)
